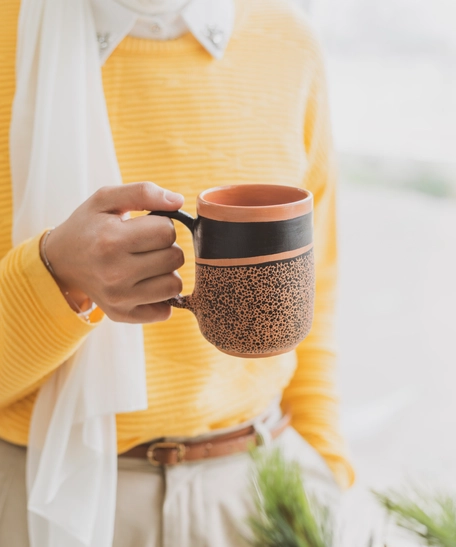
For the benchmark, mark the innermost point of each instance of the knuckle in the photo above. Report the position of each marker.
(101, 194)
(146, 190)
(159, 312)
(178, 258)
(143, 189)
(174, 284)
(165, 233)
(107, 242)
(114, 280)
(169, 233)
(112, 294)
(150, 190)
(130, 317)
(148, 313)
(162, 312)
(172, 259)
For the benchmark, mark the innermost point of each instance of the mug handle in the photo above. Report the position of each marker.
(179, 301)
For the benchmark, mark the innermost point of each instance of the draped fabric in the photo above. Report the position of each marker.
(61, 153)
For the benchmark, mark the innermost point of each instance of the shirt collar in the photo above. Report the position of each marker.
(210, 21)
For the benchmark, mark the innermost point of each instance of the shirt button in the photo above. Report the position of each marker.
(215, 35)
(104, 40)
(155, 27)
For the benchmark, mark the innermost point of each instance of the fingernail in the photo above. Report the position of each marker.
(173, 197)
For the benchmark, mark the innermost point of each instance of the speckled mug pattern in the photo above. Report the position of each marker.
(254, 311)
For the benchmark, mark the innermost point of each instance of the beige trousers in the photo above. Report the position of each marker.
(202, 504)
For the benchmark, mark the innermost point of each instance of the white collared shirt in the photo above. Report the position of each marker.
(210, 21)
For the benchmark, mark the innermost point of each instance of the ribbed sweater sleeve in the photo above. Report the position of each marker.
(38, 329)
(311, 393)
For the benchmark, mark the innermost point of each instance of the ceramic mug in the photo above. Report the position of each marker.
(254, 284)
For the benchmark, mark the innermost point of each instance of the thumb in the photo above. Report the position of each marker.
(137, 196)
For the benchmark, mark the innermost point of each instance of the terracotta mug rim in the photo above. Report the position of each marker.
(255, 213)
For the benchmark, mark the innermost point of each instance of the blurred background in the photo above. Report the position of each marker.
(391, 68)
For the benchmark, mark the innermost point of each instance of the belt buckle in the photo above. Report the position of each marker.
(179, 447)
(263, 435)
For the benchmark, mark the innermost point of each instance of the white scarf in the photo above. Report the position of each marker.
(61, 152)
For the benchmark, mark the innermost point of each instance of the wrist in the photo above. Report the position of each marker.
(77, 299)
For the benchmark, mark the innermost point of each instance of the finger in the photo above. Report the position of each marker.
(143, 266)
(137, 196)
(155, 289)
(148, 233)
(150, 313)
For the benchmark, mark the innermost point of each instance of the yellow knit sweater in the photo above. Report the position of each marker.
(189, 122)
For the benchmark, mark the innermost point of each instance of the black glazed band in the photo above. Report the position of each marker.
(215, 239)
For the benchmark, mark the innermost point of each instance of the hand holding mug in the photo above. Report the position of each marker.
(127, 266)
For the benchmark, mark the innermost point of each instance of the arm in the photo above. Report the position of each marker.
(126, 266)
(311, 393)
(39, 331)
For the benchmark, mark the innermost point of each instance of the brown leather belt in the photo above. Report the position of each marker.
(162, 452)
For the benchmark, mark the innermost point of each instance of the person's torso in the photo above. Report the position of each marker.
(188, 122)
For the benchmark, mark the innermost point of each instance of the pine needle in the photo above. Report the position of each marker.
(285, 515)
(431, 518)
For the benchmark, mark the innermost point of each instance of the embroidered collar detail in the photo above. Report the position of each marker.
(210, 21)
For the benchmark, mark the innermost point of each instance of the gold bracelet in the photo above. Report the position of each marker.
(84, 314)
(43, 252)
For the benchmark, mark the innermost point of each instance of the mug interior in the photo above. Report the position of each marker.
(254, 195)
(254, 203)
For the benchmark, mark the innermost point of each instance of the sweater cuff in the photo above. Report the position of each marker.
(342, 470)
(57, 315)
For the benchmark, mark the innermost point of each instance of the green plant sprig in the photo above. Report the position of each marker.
(431, 518)
(285, 515)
